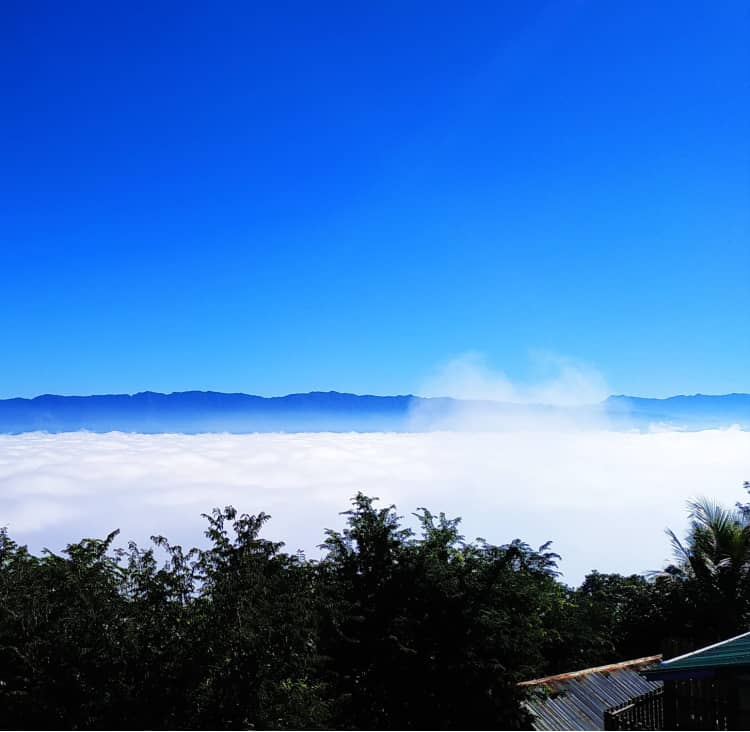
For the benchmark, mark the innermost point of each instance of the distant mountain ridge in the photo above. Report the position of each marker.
(206, 411)
(690, 412)
(202, 411)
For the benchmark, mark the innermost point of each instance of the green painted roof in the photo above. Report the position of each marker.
(733, 652)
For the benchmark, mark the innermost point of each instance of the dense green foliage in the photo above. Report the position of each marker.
(391, 629)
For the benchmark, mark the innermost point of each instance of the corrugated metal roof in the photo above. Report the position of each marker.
(733, 652)
(577, 700)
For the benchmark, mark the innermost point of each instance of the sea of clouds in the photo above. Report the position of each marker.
(603, 497)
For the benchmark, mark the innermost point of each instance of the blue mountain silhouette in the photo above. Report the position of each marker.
(207, 411)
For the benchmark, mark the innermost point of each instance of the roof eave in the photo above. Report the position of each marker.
(695, 672)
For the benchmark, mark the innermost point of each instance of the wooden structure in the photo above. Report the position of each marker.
(641, 712)
(708, 689)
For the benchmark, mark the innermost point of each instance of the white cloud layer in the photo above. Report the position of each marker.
(603, 497)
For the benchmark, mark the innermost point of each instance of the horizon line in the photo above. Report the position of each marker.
(346, 393)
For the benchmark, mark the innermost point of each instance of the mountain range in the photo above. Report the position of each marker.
(205, 411)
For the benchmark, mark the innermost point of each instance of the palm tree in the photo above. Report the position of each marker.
(713, 564)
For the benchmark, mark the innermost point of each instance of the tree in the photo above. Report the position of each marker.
(622, 616)
(222, 637)
(256, 631)
(712, 570)
(429, 631)
(61, 636)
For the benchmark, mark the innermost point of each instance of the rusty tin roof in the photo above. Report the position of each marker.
(577, 700)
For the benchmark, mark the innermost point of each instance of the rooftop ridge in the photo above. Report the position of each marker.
(594, 670)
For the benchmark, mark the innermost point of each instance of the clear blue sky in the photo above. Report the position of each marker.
(278, 197)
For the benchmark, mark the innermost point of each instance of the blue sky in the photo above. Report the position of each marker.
(303, 196)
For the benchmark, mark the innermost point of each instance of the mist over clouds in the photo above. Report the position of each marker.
(566, 395)
(561, 381)
(603, 497)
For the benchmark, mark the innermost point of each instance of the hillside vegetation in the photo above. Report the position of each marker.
(391, 629)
